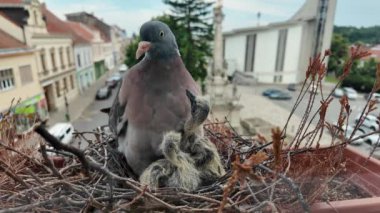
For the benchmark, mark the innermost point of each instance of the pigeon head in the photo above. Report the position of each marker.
(157, 41)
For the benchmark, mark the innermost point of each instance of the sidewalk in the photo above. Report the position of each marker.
(257, 106)
(81, 102)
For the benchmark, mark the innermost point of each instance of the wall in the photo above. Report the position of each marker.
(85, 72)
(234, 52)
(292, 54)
(266, 52)
(265, 56)
(19, 91)
(47, 42)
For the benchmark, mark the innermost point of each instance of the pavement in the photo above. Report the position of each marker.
(273, 111)
(78, 105)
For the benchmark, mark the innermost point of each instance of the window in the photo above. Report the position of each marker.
(26, 74)
(43, 61)
(78, 60)
(65, 84)
(250, 52)
(72, 81)
(52, 55)
(281, 47)
(61, 57)
(68, 56)
(6, 79)
(58, 89)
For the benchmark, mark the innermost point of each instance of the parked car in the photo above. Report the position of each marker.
(375, 96)
(116, 76)
(313, 89)
(373, 139)
(338, 93)
(292, 87)
(123, 68)
(63, 132)
(350, 92)
(280, 96)
(370, 121)
(111, 82)
(348, 132)
(270, 91)
(103, 93)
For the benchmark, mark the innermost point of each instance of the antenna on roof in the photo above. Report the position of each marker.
(258, 18)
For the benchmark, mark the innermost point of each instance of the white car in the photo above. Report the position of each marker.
(348, 132)
(350, 92)
(373, 139)
(123, 68)
(376, 97)
(63, 132)
(338, 92)
(369, 121)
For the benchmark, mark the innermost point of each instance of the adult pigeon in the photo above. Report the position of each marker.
(152, 97)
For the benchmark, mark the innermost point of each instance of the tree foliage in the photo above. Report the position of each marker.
(191, 22)
(339, 49)
(130, 53)
(366, 35)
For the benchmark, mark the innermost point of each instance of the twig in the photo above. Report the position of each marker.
(295, 188)
(58, 145)
(49, 162)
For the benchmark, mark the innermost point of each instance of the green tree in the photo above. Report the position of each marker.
(367, 35)
(130, 53)
(191, 22)
(339, 49)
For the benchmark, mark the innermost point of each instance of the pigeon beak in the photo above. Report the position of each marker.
(143, 47)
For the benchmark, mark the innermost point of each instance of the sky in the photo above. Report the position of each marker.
(131, 14)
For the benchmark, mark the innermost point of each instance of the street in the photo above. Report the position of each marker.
(92, 117)
(332, 112)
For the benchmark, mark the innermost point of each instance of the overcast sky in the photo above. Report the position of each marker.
(130, 14)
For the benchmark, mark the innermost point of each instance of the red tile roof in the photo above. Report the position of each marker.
(9, 42)
(54, 25)
(11, 1)
(79, 32)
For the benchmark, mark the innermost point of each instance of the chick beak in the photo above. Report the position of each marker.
(143, 47)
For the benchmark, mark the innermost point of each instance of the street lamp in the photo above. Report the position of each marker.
(67, 113)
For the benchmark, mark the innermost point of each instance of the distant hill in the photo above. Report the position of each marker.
(367, 35)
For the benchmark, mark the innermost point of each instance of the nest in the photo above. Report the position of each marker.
(97, 178)
(262, 174)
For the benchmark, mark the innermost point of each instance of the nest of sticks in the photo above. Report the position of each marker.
(268, 175)
(96, 178)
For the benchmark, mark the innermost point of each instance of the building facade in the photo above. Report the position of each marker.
(105, 50)
(85, 71)
(280, 52)
(48, 35)
(19, 82)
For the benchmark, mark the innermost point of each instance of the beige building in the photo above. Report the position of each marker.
(50, 37)
(108, 43)
(19, 81)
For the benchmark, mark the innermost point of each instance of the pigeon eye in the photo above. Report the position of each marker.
(162, 33)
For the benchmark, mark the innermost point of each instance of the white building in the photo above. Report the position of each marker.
(83, 57)
(280, 52)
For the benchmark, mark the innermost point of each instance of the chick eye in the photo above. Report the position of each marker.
(162, 33)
